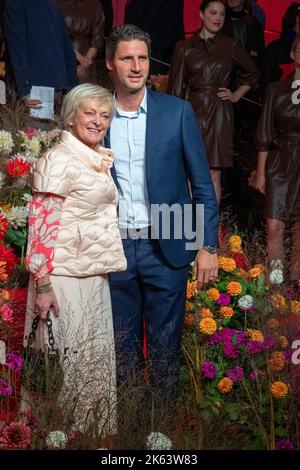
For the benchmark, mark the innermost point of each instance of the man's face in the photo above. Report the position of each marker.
(130, 65)
(237, 5)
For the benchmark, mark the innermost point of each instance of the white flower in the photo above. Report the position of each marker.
(276, 264)
(57, 439)
(33, 146)
(245, 302)
(276, 276)
(17, 216)
(158, 441)
(6, 142)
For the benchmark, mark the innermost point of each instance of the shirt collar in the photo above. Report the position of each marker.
(142, 107)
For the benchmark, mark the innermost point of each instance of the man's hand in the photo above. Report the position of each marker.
(205, 268)
(32, 103)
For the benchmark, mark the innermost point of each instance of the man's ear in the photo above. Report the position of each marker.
(108, 64)
(292, 55)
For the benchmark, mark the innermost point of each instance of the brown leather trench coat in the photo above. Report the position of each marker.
(85, 23)
(199, 68)
(278, 133)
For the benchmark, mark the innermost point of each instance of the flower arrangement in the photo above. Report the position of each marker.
(18, 152)
(237, 348)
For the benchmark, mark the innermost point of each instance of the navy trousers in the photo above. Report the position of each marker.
(151, 290)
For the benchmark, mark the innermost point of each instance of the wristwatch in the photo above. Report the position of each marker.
(210, 249)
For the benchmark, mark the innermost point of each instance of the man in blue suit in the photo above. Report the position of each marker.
(164, 183)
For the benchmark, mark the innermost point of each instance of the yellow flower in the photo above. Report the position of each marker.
(226, 312)
(295, 306)
(283, 342)
(191, 289)
(259, 266)
(225, 385)
(277, 361)
(206, 313)
(207, 326)
(279, 389)
(255, 272)
(6, 207)
(235, 243)
(234, 288)
(255, 335)
(227, 264)
(278, 301)
(188, 306)
(273, 323)
(4, 294)
(213, 294)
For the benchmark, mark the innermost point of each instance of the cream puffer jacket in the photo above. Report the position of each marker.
(88, 241)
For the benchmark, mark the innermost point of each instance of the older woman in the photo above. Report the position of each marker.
(278, 170)
(74, 242)
(201, 71)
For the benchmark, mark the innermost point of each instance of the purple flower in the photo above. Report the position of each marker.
(254, 347)
(255, 374)
(226, 334)
(269, 342)
(215, 339)
(14, 362)
(5, 389)
(209, 369)
(284, 444)
(238, 337)
(236, 374)
(230, 350)
(224, 299)
(288, 355)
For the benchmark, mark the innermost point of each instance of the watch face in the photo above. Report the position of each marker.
(211, 249)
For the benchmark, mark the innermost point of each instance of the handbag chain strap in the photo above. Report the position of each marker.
(34, 327)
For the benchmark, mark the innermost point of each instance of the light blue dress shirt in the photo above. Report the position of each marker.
(128, 141)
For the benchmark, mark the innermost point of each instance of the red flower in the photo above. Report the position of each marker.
(15, 436)
(7, 255)
(31, 133)
(239, 259)
(17, 167)
(3, 226)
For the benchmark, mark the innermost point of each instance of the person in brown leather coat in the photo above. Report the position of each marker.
(200, 72)
(85, 23)
(278, 170)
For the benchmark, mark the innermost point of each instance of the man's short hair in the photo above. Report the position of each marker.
(126, 32)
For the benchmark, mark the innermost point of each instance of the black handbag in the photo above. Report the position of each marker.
(41, 372)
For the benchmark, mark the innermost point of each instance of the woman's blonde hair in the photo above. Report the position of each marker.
(75, 98)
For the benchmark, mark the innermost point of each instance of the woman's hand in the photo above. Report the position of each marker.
(44, 302)
(260, 182)
(227, 95)
(83, 60)
(107, 162)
